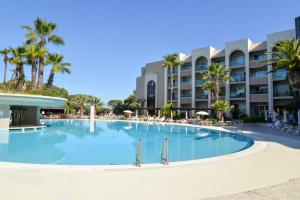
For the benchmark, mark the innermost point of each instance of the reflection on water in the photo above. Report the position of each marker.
(83, 142)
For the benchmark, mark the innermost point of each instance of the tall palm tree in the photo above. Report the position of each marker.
(18, 60)
(286, 55)
(221, 106)
(33, 53)
(170, 61)
(42, 33)
(4, 53)
(58, 66)
(209, 86)
(218, 74)
(81, 101)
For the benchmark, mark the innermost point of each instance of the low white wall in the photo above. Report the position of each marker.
(4, 116)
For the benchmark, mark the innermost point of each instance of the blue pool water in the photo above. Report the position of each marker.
(78, 142)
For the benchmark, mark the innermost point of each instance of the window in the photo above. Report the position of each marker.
(186, 93)
(151, 94)
(260, 110)
(237, 58)
(259, 73)
(258, 56)
(201, 63)
(259, 89)
(186, 79)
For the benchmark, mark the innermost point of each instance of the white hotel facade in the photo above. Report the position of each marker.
(251, 91)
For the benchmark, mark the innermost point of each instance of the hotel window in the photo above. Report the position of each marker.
(186, 93)
(259, 89)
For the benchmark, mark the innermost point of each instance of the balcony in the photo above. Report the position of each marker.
(256, 63)
(202, 96)
(237, 65)
(186, 68)
(186, 100)
(282, 93)
(188, 81)
(199, 82)
(175, 85)
(237, 95)
(175, 71)
(258, 80)
(201, 68)
(238, 77)
(175, 98)
(258, 98)
(280, 75)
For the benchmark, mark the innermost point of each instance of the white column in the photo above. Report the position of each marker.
(92, 113)
(178, 90)
(247, 86)
(166, 86)
(227, 85)
(193, 87)
(4, 116)
(270, 88)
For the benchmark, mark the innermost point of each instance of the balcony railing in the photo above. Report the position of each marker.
(186, 68)
(175, 71)
(175, 98)
(282, 75)
(186, 95)
(201, 67)
(238, 77)
(237, 95)
(174, 85)
(199, 82)
(201, 96)
(282, 93)
(186, 82)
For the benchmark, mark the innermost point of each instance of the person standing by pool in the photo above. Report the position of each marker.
(291, 118)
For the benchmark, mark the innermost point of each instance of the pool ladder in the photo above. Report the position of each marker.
(165, 152)
(138, 156)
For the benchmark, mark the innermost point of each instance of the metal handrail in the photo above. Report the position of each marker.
(165, 152)
(138, 156)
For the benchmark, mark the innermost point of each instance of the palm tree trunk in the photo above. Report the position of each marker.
(171, 74)
(296, 99)
(16, 73)
(33, 74)
(5, 68)
(41, 73)
(50, 79)
(21, 76)
(294, 77)
(217, 90)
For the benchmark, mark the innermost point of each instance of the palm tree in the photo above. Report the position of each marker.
(18, 60)
(42, 33)
(5, 53)
(286, 55)
(95, 101)
(209, 86)
(81, 101)
(216, 74)
(221, 106)
(58, 66)
(33, 53)
(170, 61)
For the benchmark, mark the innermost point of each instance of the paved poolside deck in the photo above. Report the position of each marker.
(277, 164)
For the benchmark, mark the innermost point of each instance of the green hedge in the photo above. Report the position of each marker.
(249, 119)
(10, 87)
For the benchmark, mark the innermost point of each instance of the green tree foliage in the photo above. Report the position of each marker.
(221, 107)
(286, 55)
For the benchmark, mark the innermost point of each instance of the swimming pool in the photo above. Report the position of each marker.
(82, 142)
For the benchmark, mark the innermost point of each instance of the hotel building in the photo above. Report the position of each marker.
(251, 90)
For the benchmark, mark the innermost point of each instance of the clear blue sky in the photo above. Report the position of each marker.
(109, 41)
